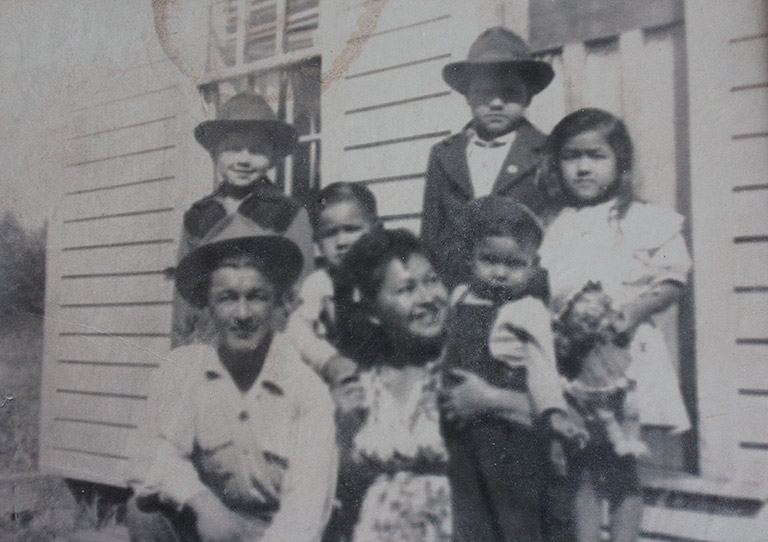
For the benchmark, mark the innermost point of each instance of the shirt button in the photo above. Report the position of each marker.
(243, 416)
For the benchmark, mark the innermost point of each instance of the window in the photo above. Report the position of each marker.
(243, 32)
(250, 51)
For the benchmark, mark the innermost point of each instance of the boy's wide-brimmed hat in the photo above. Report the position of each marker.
(499, 47)
(279, 258)
(247, 112)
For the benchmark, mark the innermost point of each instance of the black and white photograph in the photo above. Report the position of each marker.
(384, 271)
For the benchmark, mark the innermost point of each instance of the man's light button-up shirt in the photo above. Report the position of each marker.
(269, 452)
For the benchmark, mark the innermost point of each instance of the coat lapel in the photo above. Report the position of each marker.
(523, 156)
(454, 161)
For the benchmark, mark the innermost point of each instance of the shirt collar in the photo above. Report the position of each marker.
(500, 141)
(273, 376)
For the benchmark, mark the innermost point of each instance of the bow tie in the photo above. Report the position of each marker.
(492, 144)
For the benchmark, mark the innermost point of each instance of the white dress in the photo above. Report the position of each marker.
(627, 256)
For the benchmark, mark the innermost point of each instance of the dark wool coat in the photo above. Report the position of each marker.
(267, 207)
(448, 191)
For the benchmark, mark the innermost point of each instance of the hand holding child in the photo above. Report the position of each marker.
(468, 396)
(567, 429)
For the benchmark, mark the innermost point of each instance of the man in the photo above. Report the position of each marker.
(241, 432)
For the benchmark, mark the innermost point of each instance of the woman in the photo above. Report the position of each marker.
(396, 458)
(394, 483)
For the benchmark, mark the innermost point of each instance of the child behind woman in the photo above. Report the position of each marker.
(500, 337)
(613, 262)
(341, 213)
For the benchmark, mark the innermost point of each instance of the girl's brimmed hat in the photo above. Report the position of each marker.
(499, 48)
(277, 257)
(247, 112)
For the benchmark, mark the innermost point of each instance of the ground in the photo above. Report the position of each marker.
(36, 508)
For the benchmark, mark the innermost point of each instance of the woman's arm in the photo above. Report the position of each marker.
(473, 396)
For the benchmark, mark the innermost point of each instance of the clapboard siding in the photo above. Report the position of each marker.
(399, 196)
(751, 264)
(382, 131)
(114, 233)
(131, 111)
(395, 46)
(81, 464)
(413, 81)
(117, 380)
(751, 402)
(147, 196)
(130, 140)
(112, 173)
(753, 461)
(661, 523)
(100, 261)
(128, 83)
(753, 151)
(749, 45)
(388, 160)
(103, 439)
(124, 228)
(751, 322)
(136, 318)
(750, 364)
(94, 409)
(137, 351)
(748, 100)
(748, 119)
(729, 152)
(118, 288)
(420, 116)
(749, 208)
(121, 229)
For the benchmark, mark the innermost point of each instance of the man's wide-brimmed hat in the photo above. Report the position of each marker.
(277, 257)
(247, 112)
(499, 48)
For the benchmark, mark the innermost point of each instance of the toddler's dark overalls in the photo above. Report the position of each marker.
(494, 464)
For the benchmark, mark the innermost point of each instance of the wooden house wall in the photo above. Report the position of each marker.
(380, 133)
(123, 189)
(728, 81)
(134, 167)
(384, 103)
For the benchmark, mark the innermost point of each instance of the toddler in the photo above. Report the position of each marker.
(341, 213)
(500, 345)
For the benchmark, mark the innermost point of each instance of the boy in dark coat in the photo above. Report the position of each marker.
(245, 141)
(497, 152)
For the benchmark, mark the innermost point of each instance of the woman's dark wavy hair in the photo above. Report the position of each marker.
(616, 135)
(358, 283)
(343, 191)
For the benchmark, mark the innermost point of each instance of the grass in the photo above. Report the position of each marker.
(92, 507)
(21, 351)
